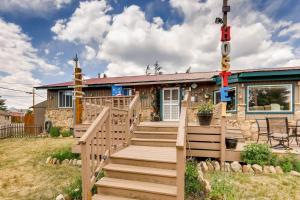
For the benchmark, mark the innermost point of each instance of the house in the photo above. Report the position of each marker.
(5, 118)
(255, 93)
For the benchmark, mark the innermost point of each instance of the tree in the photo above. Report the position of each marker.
(157, 68)
(3, 107)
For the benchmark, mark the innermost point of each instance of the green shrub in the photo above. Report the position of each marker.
(297, 165)
(64, 153)
(257, 154)
(206, 108)
(66, 133)
(221, 187)
(288, 162)
(54, 131)
(192, 184)
(74, 191)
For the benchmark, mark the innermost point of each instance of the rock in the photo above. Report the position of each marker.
(60, 197)
(216, 165)
(78, 163)
(294, 173)
(227, 167)
(207, 187)
(235, 166)
(203, 166)
(58, 162)
(278, 170)
(272, 170)
(54, 161)
(70, 162)
(65, 162)
(49, 159)
(266, 169)
(246, 169)
(257, 169)
(210, 166)
(74, 162)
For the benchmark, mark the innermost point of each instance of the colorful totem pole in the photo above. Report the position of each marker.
(225, 63)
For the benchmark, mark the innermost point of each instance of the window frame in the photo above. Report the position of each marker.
(235, 106)
(291, 111)
(65, 91)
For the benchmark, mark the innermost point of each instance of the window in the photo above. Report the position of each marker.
(127, 91)
(65, 99)
(231, 105)
(270, 98)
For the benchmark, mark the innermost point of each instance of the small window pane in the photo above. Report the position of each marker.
(231, 105)
(269, 98)
(65, 99)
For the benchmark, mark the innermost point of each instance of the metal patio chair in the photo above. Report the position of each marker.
(262, 129)
(278, 130)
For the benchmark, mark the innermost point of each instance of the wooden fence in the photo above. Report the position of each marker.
(19, 130)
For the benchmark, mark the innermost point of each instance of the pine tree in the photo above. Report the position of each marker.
(2, 104)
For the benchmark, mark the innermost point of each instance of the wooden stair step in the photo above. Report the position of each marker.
(155, 134)
(154, 142)
(141, 170)
(114, 184)
(147, 153)
(109, 197)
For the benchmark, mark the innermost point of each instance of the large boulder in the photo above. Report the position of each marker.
(60, 197)
(49, 159)
(54, 160)
(257, 169)
(266, 169)
(203, 166)
(246, 169)
(227, 167)
(272, 170)
(210, 166)
(236, 167)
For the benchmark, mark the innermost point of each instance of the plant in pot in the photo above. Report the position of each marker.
(205, 113)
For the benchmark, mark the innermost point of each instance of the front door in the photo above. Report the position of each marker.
(171, 104)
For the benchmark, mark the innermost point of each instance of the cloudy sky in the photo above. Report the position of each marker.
(39, 38)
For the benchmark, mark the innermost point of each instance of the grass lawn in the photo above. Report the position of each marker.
(238, 186)
(24, 174)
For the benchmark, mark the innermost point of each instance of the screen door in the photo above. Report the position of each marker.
(171, 104)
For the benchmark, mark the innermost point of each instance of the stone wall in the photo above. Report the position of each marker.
(62, 117)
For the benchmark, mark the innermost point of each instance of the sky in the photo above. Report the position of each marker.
(39, 38)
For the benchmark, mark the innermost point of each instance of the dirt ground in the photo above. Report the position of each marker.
(24, 174)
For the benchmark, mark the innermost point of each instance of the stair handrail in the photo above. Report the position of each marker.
(93, 156)
(181, 146)
(134, 112)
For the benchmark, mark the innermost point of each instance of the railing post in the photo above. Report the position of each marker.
(85, 171)
(108, 130)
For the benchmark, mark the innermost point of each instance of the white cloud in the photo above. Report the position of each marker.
(293, 30)
(88, 23)
(132, 42)
(18, 59)
(90, 53)
(39, 7)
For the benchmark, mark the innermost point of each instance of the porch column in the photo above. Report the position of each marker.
(241, 106)
(297, 101)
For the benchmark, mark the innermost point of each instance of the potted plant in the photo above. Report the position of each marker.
(231, 143)
(205, 113)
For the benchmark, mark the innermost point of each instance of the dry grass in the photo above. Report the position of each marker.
(263, 187)
(24, 174)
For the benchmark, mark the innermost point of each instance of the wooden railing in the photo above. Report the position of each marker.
(181, 146)
(116, 101)
(108, 133)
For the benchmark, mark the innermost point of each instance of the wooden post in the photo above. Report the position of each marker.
(78, 92)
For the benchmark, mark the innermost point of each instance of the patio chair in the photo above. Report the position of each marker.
(278, 130)
(262, 129)
(297, 131)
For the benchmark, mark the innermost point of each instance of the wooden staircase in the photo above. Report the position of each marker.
(144, 170)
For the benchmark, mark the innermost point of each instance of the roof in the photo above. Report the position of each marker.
(4, 113)
(142, 80)
(42, 104)
(165, 78)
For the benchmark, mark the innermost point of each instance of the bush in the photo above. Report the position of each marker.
(74, 191)
(221, 187)
(54, 131)
(65, 153)
(66, 133)
(192, 184)
(289, 163)
(257, 154)
(297, 165)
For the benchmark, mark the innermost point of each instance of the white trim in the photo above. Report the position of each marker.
(163, 102)
(64, 91)
(290, 86)
(235, 98)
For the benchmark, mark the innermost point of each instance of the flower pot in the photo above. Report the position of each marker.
(204, 119)
(231, 143)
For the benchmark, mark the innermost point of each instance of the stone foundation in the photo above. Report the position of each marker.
(60, 117)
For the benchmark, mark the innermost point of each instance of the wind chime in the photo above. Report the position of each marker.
(225, 50)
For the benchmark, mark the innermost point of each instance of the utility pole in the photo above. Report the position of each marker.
(33, 113)
(78, 94)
